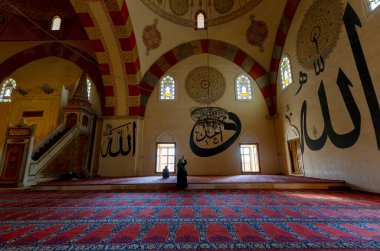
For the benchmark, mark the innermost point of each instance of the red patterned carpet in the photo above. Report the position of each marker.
(190, 220)
(194, 180)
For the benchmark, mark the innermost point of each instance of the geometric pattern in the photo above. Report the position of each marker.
(190, 220)
(205, 84)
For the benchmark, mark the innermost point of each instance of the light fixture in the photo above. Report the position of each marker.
(209, 120)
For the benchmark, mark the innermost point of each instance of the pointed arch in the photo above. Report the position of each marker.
(183, 51)
(69, 53)
(283, 28)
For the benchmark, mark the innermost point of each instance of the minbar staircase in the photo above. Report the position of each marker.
(49, 143)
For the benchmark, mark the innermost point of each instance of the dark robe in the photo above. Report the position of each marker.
(165, 173)
(181, 174)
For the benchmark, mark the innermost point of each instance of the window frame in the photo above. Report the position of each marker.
(174, 87)
(89, 84)
(368, 9)
(252, 160)
(290, 69)
(196, 20)
(6, 82)
(157, 157)
(236, 87)
(52, 23)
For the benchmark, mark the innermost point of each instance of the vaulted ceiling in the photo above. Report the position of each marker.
(134, 42)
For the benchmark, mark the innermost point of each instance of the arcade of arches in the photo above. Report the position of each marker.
(310, 74)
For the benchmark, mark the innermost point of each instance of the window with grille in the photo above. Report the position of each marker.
(167, 89)
(200, 20)
(372, 4)
(89, 83)
(165, 157)
(6, 90)
(56, 23)
(286, 72)
(243, 87)
(249, 154)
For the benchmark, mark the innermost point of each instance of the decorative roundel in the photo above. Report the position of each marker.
(179, 7)
(205, 84)
(319, 31)
(223, 6)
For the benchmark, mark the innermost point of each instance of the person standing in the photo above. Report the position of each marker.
(181, 173)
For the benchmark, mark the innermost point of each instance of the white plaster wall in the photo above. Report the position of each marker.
(358, 164)
(233, 32)
(174, 117)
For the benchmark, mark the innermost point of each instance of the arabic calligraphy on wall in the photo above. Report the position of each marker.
(212, 136)
(119, 140)
(345, 140)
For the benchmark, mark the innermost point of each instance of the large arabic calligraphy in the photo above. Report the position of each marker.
(345, 140)
(120, 140)
(207, 139)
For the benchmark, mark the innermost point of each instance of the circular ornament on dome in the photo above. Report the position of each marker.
(179, 7)
(223, 6)
(205, 84)
(319, 31)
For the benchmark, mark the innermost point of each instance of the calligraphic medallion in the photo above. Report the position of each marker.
(205, 84)
(319, 31)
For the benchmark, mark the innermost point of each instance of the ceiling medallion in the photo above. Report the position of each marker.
(182, 12)
(205, 84)
(319, 31)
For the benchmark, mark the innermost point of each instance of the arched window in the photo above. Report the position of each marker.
(286, 72)
(6, 90)
(56, 23)
(200, 20)
(89, 88)
(372, 5)
(167, 88)
(243, 87)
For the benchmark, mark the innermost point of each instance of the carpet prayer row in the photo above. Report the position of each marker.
(190, 220)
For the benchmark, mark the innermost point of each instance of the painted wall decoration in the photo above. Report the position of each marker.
(119, 140)
(319, 33)
(212, 136)
(256, 33)
(345, 140)
(151, 37)
(205, 84)
(182, 12)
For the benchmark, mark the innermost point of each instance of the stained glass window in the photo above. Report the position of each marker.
(167, 90)
(372, 4)
(56, 23)
(89, 88)
(243, 87)
(6, 90)
(286, 72)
